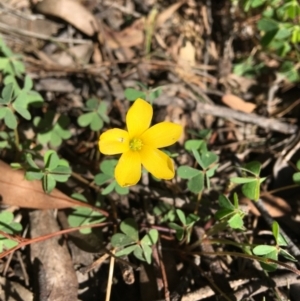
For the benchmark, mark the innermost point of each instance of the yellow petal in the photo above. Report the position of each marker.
(138, 118)
(162, 134)
(128, 170)
(114, 141)
(157, 163)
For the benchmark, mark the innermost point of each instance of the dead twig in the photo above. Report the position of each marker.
(262, 285)
(23, 32)
(252, 288)
(263, 122)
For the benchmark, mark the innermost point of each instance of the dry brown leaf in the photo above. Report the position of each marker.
(72, 12)
(189, 77)
(97, 55)
(16, 191)
(275, 206)
(77, 54)
(238, 104)
(187, 55)
(130, 36)
(125, 54)
(168, 13)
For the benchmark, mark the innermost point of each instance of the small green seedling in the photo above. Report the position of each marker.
(107, 169)
(165, 212)
(184, 231)
(8, 226)
(287, 70)
(231, 213)
(6, 139)
(253, 4)
(27, 96)
(96, 115)
(272, 252)
(128, 241)
(248, 68)
(54, 170)
(84, 216)
(9, 104)
(250, 184)
(191, 144)
(296, 175)
(52, 129)
(10, 63)
(203, 134)
(146, 93)
(207, 161)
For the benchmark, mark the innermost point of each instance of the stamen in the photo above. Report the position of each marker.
(136, 144)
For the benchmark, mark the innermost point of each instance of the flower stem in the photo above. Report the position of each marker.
(17, 139)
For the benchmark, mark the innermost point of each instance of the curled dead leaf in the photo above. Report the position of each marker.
(128, 37)
(72, 12)
(16, 191)
(238, 103)
(168, 13)
(187, 55)
(77, 54)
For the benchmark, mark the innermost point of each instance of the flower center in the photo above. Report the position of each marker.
(135, 144)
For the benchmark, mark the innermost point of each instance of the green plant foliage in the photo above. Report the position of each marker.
(128, 241)
(107, 169)
(189, 145)
(248, 67)
(147, 94)
(280, 33)
(9, 104)
(251, 184)
(26, 96)
(272, 252)
(288, 71)
(194, 176)
(14, 99)
(231, 213)
(201, 134)
(165, 212)
(96, 115)
(8, 226)
(132, 94)
(6, 139)
(84, 216)
(52, 129)
(277, 25)
(207, 161)
(184, 231)
(10, 63)
(54, 170)
(253, 4)
(296, 175)
(290, 10)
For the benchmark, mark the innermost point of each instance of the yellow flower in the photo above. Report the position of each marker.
(139, 145)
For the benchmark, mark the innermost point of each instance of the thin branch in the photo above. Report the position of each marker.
(23, 32)
(263, 122)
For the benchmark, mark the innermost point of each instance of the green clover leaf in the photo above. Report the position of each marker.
(96, 115)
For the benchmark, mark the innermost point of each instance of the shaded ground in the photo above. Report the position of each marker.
(76, 50)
